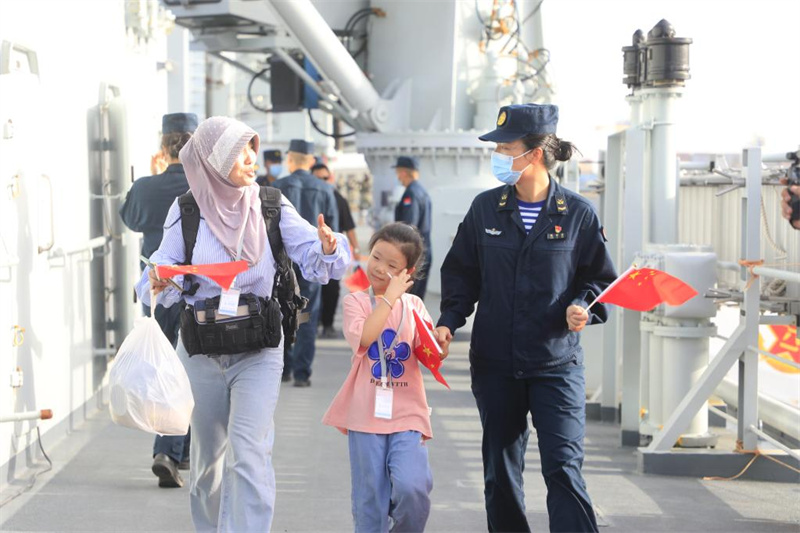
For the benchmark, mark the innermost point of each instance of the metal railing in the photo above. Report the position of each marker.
(739, 347)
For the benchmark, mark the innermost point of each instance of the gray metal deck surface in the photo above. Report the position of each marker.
(101, 480)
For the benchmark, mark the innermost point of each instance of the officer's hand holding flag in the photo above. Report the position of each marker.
(641, 289)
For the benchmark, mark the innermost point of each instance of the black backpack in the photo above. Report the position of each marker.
(284, 287)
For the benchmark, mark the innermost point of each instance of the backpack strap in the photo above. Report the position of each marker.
(190, 225)
(271, 209)
(285, 279)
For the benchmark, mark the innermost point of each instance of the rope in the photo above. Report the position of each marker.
(756, 454)
(750, 265)
(768, 233)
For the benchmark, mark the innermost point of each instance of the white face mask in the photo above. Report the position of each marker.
(501, 167)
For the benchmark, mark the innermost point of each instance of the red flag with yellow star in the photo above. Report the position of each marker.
(641, 289)
(222, 273)
(428, 350)
(357, 281)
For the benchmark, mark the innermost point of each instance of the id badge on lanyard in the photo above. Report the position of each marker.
(384, 395)
(229, 299)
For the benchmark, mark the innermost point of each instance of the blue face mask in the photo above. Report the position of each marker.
(501, 168)
(275, 169)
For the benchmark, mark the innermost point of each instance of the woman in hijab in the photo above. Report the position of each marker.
(232, 478)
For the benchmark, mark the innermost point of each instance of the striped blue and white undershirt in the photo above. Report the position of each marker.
(529, 211)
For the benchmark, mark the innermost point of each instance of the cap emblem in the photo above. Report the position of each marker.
(501, 119)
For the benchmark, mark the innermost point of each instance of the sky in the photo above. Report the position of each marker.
(745, 81)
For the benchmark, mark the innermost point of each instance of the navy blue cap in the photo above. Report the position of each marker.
(301, 147)
(405, 161)
(516, 121)
(178, 123)
(273, 156)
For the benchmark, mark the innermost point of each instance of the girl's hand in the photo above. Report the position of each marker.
(326, 236)
(156, 284)
(398, 285)
(577, 317)
(443, 337)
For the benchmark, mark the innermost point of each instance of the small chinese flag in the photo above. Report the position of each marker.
(428, 350)
(222, 273)
(357, 281)
(641, 289)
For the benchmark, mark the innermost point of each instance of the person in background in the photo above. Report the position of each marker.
(272, 166)
(145, 210)
(310, 196)
(330, 292)
(235, 391)
(532, 256)
(786, 206)
(414, 208)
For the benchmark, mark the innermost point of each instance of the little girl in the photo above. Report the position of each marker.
(381, 406)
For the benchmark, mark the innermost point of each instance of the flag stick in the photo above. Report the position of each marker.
(613, 283)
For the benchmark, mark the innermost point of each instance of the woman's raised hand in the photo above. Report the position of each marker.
(398, 285)
(326, 236)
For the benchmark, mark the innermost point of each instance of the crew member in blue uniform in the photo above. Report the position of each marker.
(145, 210)
(532, 255)
(414, 208)
(273, 166)
(310, 196)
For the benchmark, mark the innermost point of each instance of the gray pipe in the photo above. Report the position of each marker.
(333, 61)
(779, 415)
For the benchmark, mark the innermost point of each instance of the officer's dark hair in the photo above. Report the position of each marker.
(407, 238)
(320, 166)
(173, 142)
(553, 148)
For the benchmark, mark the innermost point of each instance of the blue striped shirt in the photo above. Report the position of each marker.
(529, 211)
(299, 237)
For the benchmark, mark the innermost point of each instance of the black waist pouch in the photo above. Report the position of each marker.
(257, 325)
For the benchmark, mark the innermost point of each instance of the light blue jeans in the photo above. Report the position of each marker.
(232, 485)
(391, 482)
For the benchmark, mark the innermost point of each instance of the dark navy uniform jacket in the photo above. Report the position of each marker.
(524, 283)
(310, 196)
(148, 202)
(415, 208)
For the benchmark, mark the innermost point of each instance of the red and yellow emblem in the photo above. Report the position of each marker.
(558, 229)
(783, 342)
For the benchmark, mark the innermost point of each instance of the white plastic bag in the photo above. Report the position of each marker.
(149, 386)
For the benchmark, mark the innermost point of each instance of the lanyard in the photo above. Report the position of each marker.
(382, 351)
(241, 243)
(241, 237)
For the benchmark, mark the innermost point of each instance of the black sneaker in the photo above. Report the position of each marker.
(286, 378)
(302, 383)
(166, 469)
(184, 465)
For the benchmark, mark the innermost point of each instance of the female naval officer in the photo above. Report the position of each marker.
(232, 478)
(532, 255)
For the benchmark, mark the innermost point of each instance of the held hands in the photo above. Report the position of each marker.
(156, 284)
(326, 236)
(577, 317)
(443, 337)
(398, 285)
